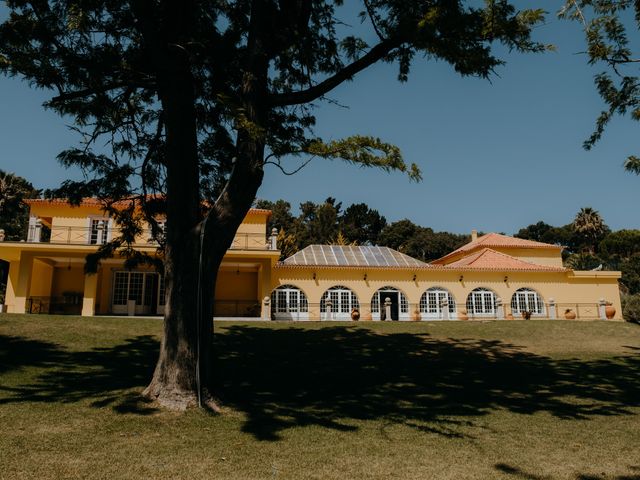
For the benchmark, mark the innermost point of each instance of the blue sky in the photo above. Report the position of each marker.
(495, 156)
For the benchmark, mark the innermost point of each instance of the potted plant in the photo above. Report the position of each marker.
(416, 317)
(355, 314)
(526, 315)
(569, 314)
(462, 314)
(609, 310)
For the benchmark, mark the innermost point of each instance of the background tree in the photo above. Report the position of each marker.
(534, 231)
(606, 24)
(194, 99)
(397, 234)
(361, 224)
(14, 213)
(281, 216)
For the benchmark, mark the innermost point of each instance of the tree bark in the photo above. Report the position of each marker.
(195, 248)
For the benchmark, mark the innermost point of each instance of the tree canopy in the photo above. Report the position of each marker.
(606, 26)
(193, 99)
(13, 212)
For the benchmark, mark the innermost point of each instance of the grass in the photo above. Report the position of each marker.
(436, 400)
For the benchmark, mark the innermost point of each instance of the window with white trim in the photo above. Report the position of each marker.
(289, 299)
(343, 300)
(99, 231)
(431, 302)
(527, 300)
(481, 301)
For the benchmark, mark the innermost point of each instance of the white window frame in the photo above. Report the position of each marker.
(343, 300)
(103, 236)
(289, 302)
(431, 303)
(527, 298)
(478, 300)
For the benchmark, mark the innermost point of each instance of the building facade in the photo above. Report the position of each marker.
(492, 277)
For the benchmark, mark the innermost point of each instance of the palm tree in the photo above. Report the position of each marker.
(589, 225)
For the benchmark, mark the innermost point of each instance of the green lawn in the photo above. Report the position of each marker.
(435, 400)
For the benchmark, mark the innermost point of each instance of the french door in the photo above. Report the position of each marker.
(144, 289)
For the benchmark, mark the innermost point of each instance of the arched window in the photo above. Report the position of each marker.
(527, 300)
(289, 303)
(432, 303)
(343, 300)
(481, 302)
(399, 303)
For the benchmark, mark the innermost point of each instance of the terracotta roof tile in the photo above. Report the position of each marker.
(497, 240)
(488, 259)
(95, 202)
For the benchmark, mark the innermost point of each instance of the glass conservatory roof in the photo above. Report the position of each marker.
(352, 256)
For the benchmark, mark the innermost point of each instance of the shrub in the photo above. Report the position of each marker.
(631, 308)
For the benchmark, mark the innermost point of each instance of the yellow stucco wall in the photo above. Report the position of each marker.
(232, 285)
(560, 286)
(41, 279)
(539, 256)
(248, 274)
(67, 279)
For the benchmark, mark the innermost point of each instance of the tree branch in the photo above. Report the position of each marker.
(304, 96)
(91, 91)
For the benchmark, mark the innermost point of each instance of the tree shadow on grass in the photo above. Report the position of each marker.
(520, 474)
(283, 378)
(333, 376)
(104, 376)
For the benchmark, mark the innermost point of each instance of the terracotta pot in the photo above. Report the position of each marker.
(510, 316)
(570, 315)
(416, 317)
(609, 311)
(367, 317)
(462, 315)
(355, 314)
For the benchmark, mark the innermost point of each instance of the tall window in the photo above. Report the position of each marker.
(99, 231)
(527, 300)
(482, 302)
(343, 300)
(433, 300)
(289, 302)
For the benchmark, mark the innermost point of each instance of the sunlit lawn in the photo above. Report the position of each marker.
(443, 400)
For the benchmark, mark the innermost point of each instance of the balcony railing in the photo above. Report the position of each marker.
(63, 235)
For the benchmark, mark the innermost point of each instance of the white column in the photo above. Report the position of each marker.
(387, 308)
(602, 304)
(499, 309)
(266, 308)
(444, 308)
(552, 309)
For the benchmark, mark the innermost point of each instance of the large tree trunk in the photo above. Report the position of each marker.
(195, 248)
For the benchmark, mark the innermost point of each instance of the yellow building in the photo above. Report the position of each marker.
(492, 277)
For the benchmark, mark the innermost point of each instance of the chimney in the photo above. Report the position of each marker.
(474, 235)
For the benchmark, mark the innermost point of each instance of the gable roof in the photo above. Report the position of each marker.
(496, 240)
(488, 259)
(352, 256)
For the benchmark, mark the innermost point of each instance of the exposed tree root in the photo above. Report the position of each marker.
(177, 399)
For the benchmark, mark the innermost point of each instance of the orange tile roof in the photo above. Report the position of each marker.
(95, 202)
(497, 240)
(488, 259)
